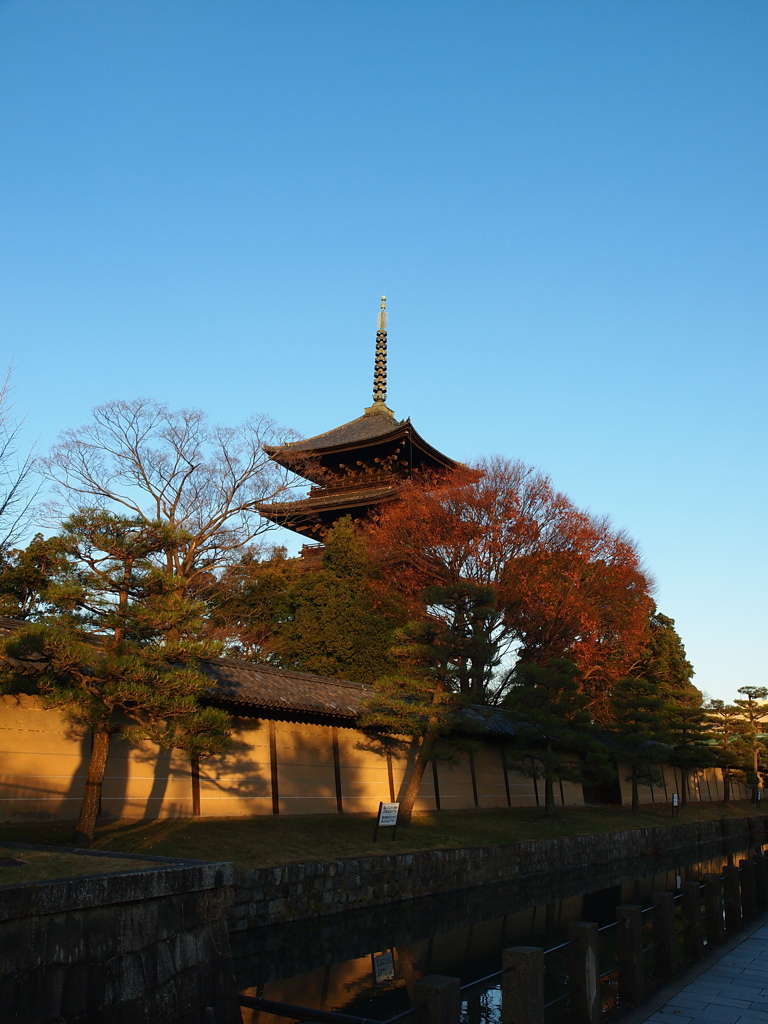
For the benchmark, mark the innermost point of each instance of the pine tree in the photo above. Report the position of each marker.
(466, 611)
(552, 723)
(416, 700)
(688, 728)
(754, 714)
(638, 728)
(730, 734)
(118, 651)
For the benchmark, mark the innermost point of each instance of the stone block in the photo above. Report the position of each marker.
(189, 990)
(102, 933)
(74, 1000)
(65, 937)
(111, 983)
(183, 950)
(138, 924)
(9, 990)
(164, 967)
(170, 917)
(163, 1004)
(95, 988)
(39, 995)
(130, 977)
(23, 945)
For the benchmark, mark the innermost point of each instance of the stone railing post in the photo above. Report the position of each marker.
(583, 973)
(748, 888)
(731, 898)
(761, 880)
(630, 949)
(522, 985)
(439, 998)
(666, 960)
(714, 926)
(693, 932)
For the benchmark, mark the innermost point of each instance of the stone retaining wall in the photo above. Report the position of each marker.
(125, 948)
(298, 891)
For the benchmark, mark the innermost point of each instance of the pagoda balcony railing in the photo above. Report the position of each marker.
(363, 482)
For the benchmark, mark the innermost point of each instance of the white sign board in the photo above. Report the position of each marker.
(388, 814)
(383, 966)
(675, 799)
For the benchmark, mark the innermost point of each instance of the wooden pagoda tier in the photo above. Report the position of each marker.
(355, 467)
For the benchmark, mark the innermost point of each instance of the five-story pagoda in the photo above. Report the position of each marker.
(357, 466)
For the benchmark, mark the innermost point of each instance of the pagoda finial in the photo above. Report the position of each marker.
(380, 365)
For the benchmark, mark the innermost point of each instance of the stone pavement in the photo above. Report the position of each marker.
(733, 990)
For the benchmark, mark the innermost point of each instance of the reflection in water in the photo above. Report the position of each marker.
(339, 962)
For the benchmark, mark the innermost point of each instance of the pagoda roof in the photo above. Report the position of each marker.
(369, 430)
(375, 426)
(331, 500)
(312, 515)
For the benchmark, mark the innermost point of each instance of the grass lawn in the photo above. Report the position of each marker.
(271, 841)
(39, 865)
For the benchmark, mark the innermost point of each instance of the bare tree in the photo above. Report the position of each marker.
(141, 459)
(17, 487)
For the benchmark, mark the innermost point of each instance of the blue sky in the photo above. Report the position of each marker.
(565, 203)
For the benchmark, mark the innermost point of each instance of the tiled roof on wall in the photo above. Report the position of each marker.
(252, 690)
(267, 687)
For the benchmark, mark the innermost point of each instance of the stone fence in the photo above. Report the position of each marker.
(298, 891)
(135, 946)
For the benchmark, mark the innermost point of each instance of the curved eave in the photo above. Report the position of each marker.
(284, 712)
(291, 457)
(330, 502)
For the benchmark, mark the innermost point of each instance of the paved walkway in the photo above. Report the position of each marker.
(733, 990)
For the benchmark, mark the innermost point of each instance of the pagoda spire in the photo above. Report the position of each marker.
(380, 365)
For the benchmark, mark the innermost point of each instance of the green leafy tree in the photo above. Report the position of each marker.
(553, 723)
(664, 663)
(117, 651)
(336, 619)
(755, 713)
(730, 740)
(249, 603)
(637, 713)
(27, 576)
(340, 620)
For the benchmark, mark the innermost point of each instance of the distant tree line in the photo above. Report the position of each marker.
(486, 587)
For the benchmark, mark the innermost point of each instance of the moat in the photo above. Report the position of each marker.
(366, 962)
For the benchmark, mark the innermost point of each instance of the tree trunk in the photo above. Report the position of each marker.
(726, 786)
(755, 766)
(549, 796)
(683, 787)
(635, 795)
(549, 784)
(414, 783)
(89, 809)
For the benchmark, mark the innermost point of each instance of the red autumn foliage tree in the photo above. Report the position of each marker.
(587, 601)
(565, 584)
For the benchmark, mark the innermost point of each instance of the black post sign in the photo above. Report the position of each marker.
(386, 818)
